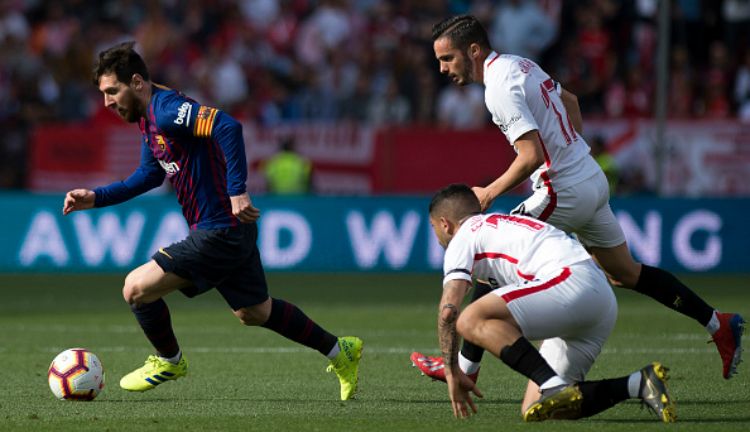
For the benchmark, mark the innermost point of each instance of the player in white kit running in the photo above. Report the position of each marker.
(570, 190)
(547, 288)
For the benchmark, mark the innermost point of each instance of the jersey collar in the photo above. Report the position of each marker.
(488, 61)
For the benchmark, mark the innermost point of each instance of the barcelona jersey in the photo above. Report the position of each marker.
(198, 148)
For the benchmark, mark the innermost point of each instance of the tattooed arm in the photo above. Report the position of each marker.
(450, 306)
(459, 384)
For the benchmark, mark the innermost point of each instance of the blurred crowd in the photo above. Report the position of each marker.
(277, 61)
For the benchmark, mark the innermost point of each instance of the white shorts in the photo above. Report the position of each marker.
(582, 209)
(572, 312)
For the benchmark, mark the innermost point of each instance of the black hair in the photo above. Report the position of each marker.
(123, 61)
(456, 199)
(462, 30)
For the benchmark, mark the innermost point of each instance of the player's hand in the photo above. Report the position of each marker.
(242, 208)
(459, 387)
(484, 197)
(78, 199)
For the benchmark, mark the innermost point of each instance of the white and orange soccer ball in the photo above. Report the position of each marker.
(76, 374)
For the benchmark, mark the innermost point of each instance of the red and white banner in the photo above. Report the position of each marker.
(702, 158)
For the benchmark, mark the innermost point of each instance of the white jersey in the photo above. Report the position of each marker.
(504, 249)
(521, 97)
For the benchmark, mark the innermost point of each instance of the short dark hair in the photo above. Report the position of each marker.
(455, 201)
(123, 61)
(463, 30)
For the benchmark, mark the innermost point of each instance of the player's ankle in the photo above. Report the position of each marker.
(467, 366)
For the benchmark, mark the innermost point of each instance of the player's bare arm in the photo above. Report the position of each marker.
(78, 199)
(530, 156)
(243, 209)
(459, 385)
(570, 101)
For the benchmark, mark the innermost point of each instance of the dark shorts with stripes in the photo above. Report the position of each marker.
(227, 259)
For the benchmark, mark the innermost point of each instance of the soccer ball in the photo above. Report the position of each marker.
(76, 374)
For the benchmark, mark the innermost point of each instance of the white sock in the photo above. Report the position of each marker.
(713, 324)
(634, 384)
(467, 366)
(175, 359)
(334, 351)
(552, 382)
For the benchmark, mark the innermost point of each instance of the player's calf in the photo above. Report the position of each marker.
(254, 315)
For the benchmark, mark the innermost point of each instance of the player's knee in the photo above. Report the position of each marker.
(250, 316)
(132, 291)
(625, 277)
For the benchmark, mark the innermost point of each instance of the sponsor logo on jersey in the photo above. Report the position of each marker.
(506, 125)
(171, 168)
(526, 65)
(183, 114)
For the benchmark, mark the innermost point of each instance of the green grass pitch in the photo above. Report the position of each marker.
(251, 379)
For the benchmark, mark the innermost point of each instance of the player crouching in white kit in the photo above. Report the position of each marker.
(547, 288)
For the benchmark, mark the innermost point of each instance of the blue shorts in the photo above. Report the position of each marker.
(227, 259)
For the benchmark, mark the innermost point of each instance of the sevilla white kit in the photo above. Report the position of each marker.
(552, 287)
(521, 98)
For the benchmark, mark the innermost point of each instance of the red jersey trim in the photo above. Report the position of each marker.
(525, 276)
(497, 55)
(495, 255)
(547, 212)
(509, 297)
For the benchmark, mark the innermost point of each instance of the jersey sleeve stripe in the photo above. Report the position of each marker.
(458, 271)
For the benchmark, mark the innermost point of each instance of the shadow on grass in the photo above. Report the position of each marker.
(306, 400)
(743, 402)
(679, 420)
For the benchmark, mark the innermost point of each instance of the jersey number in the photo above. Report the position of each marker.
(548, 87)
(530, 224)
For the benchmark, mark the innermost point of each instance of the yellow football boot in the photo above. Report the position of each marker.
(155, 371)
(346, 364)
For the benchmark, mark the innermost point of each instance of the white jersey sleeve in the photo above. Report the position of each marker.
(521, 97)
(458, 262)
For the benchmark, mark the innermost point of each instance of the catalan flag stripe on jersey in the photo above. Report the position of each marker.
(204, 121)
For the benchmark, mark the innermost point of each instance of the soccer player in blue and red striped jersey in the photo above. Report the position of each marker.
(200, 150)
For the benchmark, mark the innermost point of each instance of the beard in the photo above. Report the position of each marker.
(468, 71)
(129, 110)
(464, 77)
